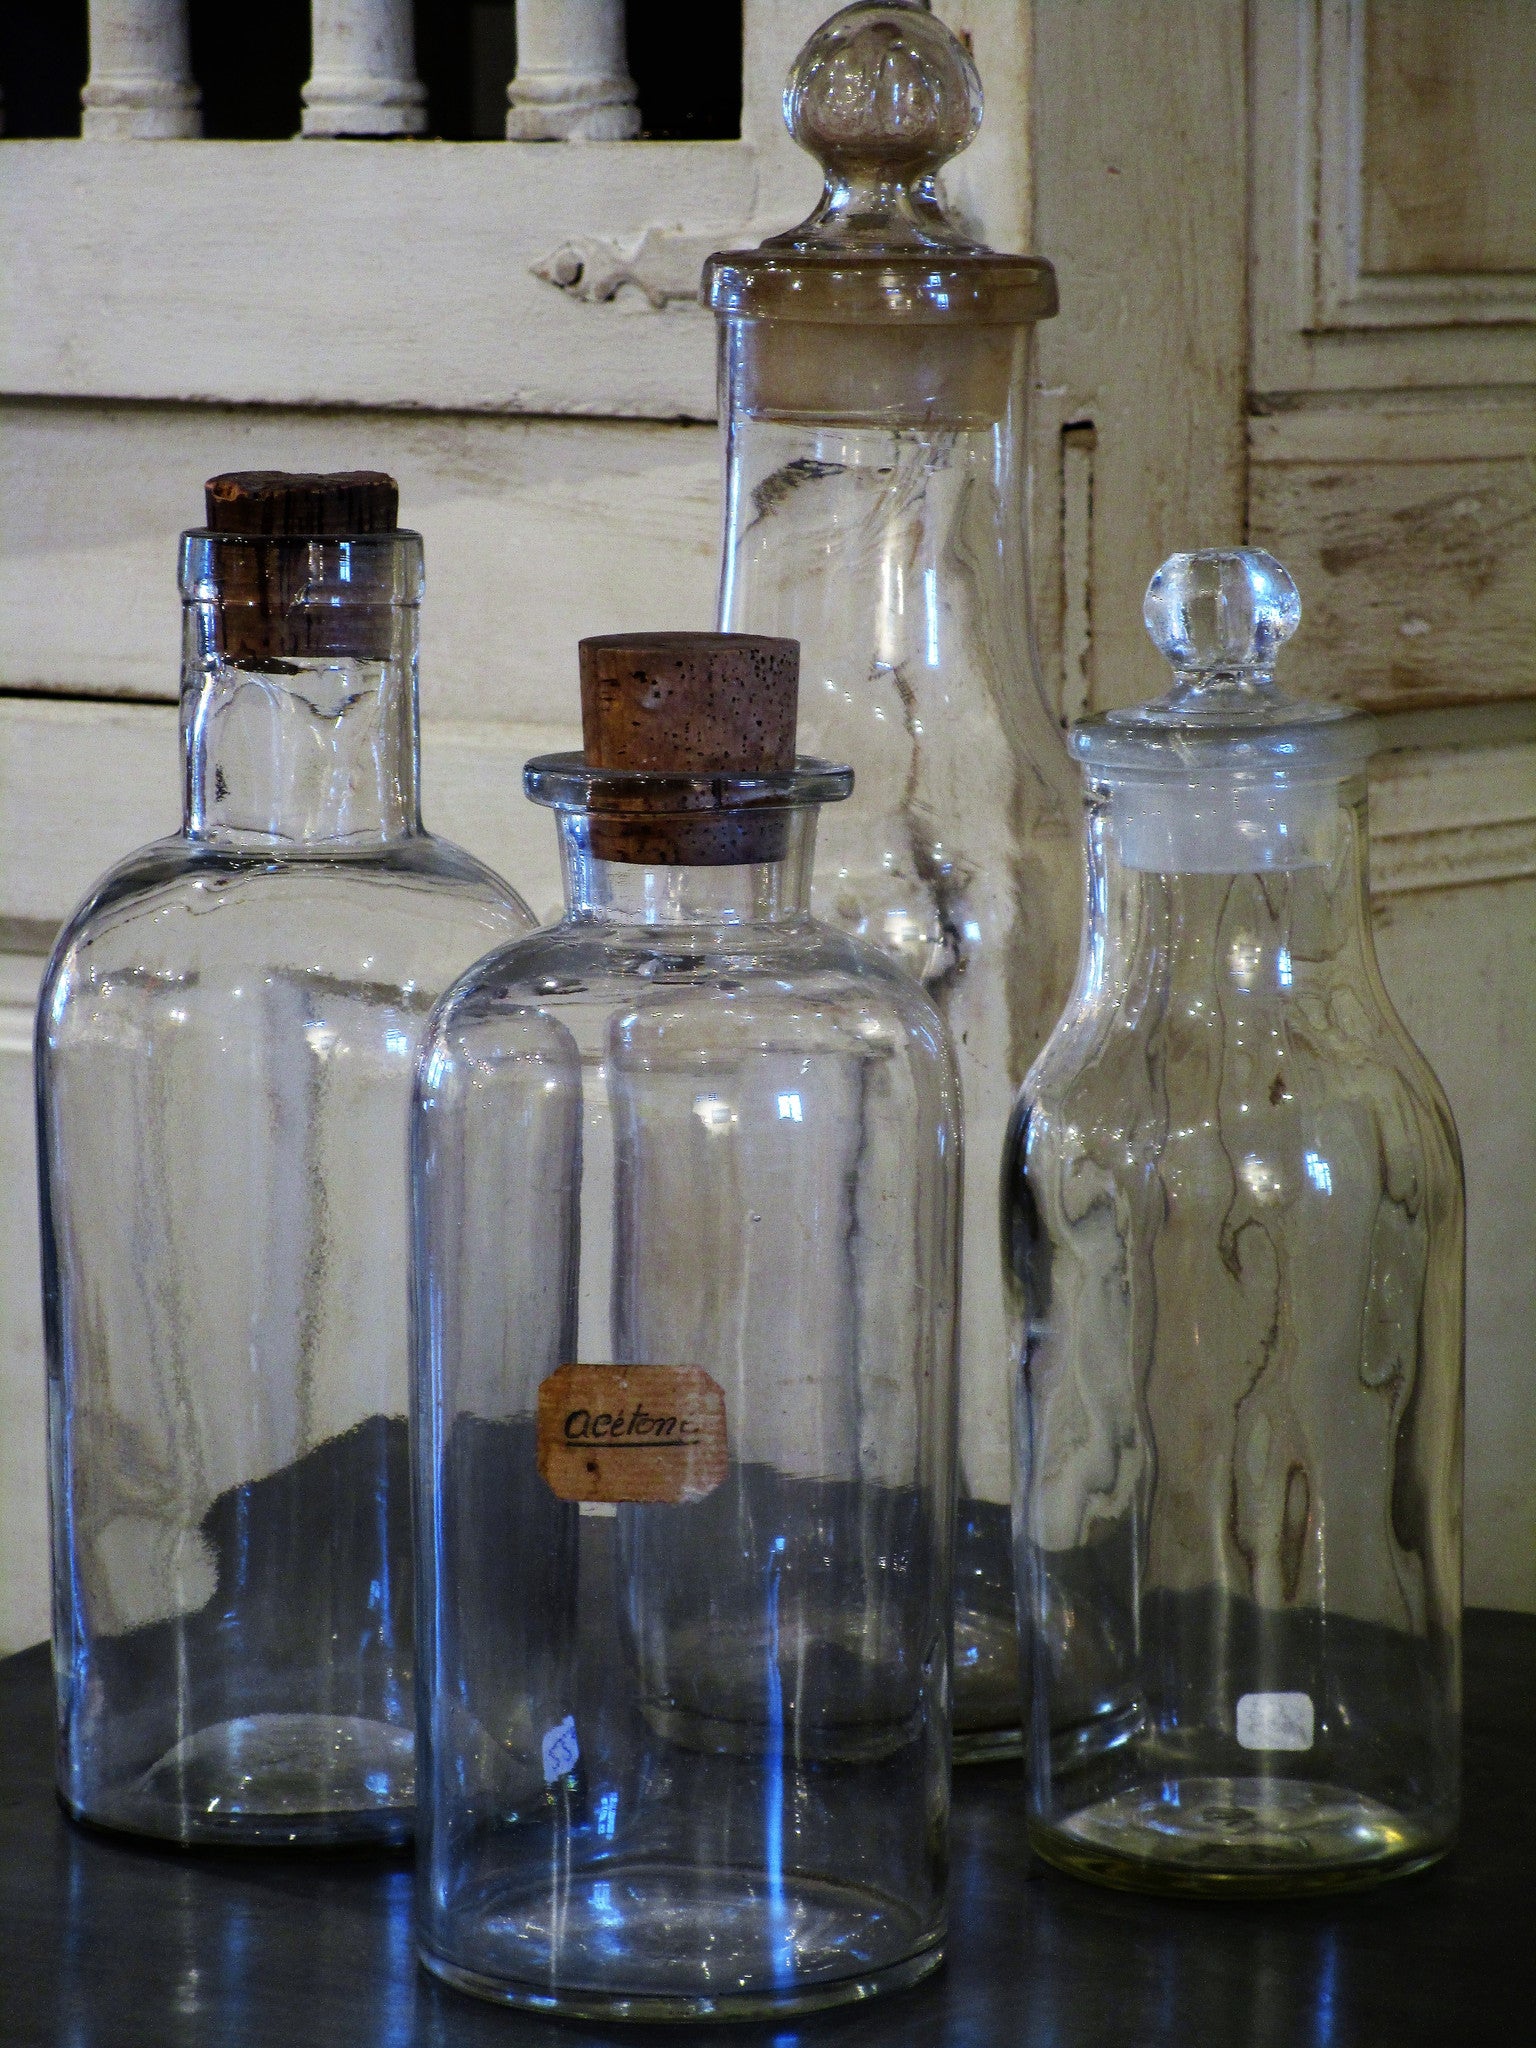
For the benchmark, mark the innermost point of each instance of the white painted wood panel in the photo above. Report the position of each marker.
(1461, 966)
(537, 532)
(23, 1395)
(128, 758)
(1447, 139)
(1140, 201)
(380, 274)
(312, 273)
(1412, 535)
(1321, 319)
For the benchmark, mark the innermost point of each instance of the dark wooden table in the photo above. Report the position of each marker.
(109, 1944)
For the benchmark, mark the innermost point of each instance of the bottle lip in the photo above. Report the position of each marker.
(850, 288)
(1322, 744)
(564, 782)
(331, 569)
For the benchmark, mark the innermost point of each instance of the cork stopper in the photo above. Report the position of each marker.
(300, 504)
(276, 600)
(673, 704)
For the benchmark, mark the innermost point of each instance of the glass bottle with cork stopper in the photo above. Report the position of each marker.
(225, 1044)
(1233, 1199)
(685, 1171)
(874, 388)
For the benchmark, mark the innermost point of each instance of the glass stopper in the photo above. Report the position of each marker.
(882, 95)
(1222, 613)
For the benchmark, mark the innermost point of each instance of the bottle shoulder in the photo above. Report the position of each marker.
(1307, 1095)
(242, 879)
(704, 975)
(178, 904)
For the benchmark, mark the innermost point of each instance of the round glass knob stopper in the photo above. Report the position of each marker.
(1222, 611)
(883, 87)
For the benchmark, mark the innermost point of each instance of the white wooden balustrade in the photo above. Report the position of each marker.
(362, 78)
(140, 87)
(572, 82)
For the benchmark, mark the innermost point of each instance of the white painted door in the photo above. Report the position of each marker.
(1297, 246)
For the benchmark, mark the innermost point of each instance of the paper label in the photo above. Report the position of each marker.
(562, 1752)
(631, 1433)
(1275, 1720)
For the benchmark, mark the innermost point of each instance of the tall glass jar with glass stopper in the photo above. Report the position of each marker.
(1233, 1204)
(225, 1044)
(685, 1174)
(874, 389)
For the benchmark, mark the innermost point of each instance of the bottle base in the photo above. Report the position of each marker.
(1238, 1838)
(715, 1950)
(986, 1642)
(279, 1780)
(987, 1745)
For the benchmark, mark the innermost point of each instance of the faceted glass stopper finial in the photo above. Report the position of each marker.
(882, 95)
(1221, 613)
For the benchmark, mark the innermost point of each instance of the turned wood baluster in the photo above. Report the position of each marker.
(140, 87)
(362, 77)
(572, 82)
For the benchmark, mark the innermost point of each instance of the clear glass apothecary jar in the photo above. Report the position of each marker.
(875, 367)
(685, 1171)
(1233, 1211)
(226, 1038)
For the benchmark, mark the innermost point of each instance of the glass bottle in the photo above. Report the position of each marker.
(226, 1038)
(1233, 1207)
(685, 1176)
(874, 385)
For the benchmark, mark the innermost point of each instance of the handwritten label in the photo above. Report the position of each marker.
(562, 1752)
(1275, 1720)
(631, 1433)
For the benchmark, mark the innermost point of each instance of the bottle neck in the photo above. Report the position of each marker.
(638, 893)
(1226, 941)
(301, 751)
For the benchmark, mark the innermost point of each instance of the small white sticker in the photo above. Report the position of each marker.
(1275, 1720)
(561, 1750)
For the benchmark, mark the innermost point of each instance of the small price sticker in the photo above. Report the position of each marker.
(1275, 1720)
(562, 1751)
(641, 1433)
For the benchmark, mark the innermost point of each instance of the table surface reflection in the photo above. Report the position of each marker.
(108, 1944)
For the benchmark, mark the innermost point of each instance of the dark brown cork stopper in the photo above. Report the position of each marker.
(266, 611)
(690, 704)
(300, 504)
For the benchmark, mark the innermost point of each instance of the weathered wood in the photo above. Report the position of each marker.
(1140, 202)
(354, 274)
(128, 758)
(535, 533)
(1418, 577)
(1321, 317)
(1448, 168)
